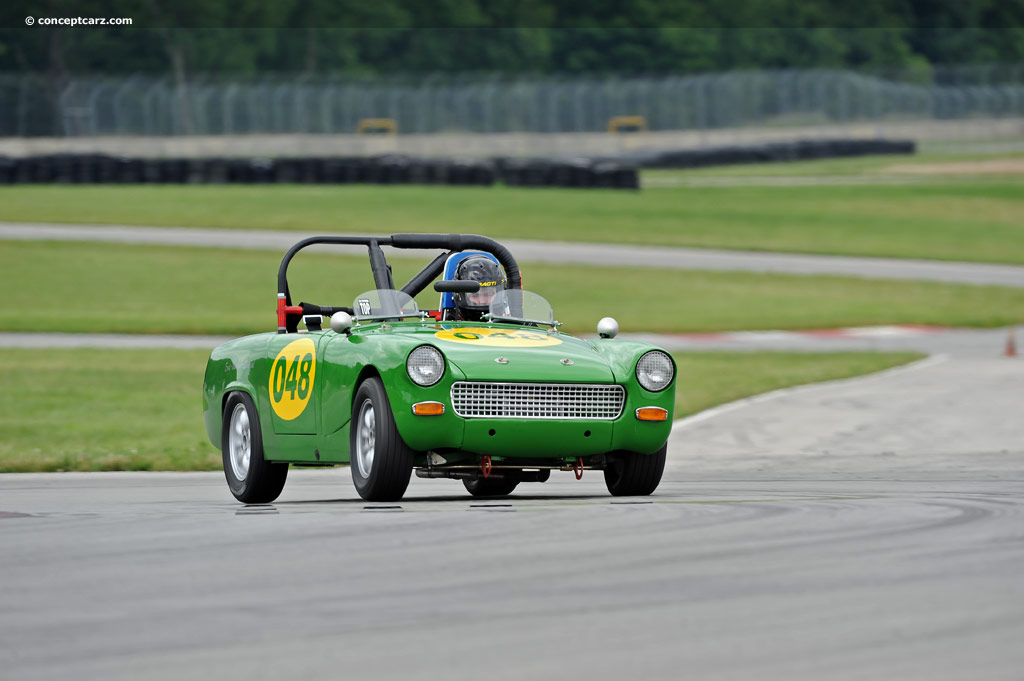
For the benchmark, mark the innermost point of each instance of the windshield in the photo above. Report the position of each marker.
(384, 304)
(514, 305)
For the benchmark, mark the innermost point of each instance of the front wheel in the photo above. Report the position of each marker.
(251, 478)
(632, 474)
(381, 462)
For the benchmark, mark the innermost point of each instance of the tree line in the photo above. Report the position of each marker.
(321, 37)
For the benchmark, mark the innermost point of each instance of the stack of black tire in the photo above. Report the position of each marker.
(773, 152)
(391, 169)
(579, 172)
(104, 169)
(574, 172)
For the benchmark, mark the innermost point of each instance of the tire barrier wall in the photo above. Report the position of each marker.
(580, 173)
(602, 173)
(775, 152)
(393, 169)
(103, 169)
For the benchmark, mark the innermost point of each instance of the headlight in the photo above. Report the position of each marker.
(425, 365)
(655, 371)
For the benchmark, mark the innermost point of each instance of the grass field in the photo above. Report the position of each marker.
(951, 219)
(85, 287)
(140, 410)
(89, 410)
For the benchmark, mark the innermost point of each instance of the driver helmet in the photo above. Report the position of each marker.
(480, 268)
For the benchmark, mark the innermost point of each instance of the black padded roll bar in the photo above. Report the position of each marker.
(428, 274)
(379, 266)
(464, 242)
(288, 316)
(282, 272)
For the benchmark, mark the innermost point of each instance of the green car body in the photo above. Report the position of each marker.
(304, 384)
(320, 432)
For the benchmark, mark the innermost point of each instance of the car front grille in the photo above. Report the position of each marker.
(537, 400)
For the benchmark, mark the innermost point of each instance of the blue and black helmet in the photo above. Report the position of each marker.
(481, 269)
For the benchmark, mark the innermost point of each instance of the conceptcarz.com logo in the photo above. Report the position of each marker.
(79, 21)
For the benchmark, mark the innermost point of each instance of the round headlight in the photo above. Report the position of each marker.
(655, 371)
(425, 365)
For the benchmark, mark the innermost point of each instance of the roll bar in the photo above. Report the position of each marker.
(288, 315)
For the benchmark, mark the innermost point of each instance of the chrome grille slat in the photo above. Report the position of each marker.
(496, 400)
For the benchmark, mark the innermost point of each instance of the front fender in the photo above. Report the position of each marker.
(350, 359)
(632, 434)
(622, 356)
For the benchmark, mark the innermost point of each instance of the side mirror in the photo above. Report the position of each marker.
(341, 322)
(606, 328)
(452, 286)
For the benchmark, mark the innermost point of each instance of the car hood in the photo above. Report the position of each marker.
(507, 353)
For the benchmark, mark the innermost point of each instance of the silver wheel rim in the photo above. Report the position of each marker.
(239, 442)
(366, 438)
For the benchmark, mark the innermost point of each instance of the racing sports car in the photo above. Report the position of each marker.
(495, 399)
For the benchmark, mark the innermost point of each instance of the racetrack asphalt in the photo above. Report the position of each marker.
(609, 255)
(871, 528)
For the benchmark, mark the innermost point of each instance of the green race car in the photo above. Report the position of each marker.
(496, 400)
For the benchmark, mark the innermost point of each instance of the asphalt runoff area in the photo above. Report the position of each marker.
(865, 529)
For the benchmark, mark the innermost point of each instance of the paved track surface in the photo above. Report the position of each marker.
(866, 529)
(560, 252)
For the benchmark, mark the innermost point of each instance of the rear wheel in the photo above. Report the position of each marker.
(381, 462)
(491, 487)
(251, 478)
(634, 475)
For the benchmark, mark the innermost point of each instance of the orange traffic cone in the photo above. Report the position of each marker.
(1011, 345)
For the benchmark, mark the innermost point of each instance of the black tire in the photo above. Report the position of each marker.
(635, 475)
(380, 460)
(251, 479)
(491, 487)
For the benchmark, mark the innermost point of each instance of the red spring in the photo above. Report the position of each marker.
(577, 468)
(485, 465)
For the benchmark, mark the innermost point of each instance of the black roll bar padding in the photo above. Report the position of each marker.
(456, 286)
(324, 310)
(462, 242)
(379, 266)
(428, 274)
(378, 263)
(282, 272)
(292, 320)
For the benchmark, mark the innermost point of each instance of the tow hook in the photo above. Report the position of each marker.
(485, 465)
(577, 468)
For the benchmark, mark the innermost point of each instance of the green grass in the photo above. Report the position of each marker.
(949, 219)
(86, 287)
(89, 410)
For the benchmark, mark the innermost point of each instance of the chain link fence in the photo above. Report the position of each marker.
(147, 105)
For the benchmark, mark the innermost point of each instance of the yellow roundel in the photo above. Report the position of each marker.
(498, 338)
(291, 378)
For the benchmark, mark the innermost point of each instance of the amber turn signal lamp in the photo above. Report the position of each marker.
(652, 414)
(428, 408)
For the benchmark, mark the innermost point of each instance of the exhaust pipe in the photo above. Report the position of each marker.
(474, 473)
